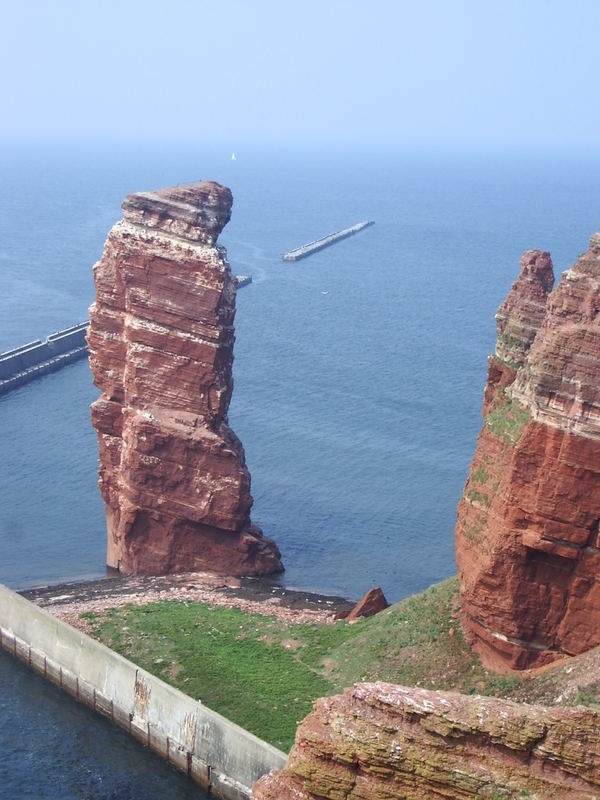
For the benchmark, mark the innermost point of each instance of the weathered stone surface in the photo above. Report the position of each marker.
(172, 472)
(527, 543)
(370, 604)
(521, 314)
(383, 742)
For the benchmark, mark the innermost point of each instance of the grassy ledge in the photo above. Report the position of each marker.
(265, 674)
(507, 419)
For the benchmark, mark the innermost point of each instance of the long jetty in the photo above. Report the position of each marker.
(326, 241)
(31, 360)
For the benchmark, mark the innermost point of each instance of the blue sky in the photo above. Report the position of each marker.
(464, 73)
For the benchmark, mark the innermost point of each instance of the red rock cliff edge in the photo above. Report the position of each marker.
(383, 742)
(527, 536)
(172, 472)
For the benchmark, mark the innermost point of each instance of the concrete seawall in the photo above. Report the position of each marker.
(218, 754)
(24, 364)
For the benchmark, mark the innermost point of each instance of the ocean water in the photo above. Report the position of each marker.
(53, 748)
(359, 371)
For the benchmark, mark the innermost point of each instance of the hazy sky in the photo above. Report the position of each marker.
(442, 72)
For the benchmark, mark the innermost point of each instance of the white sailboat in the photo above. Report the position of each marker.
(233, 158)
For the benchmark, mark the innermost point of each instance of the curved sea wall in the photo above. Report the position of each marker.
(209, 748)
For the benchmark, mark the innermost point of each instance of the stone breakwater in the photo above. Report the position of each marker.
(34, 359)
(306, 250)
(527, 536)
(383, 742)
(172, 472)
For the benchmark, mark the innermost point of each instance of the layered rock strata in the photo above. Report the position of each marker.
(172, 472)
(527, 536)
(383, 742)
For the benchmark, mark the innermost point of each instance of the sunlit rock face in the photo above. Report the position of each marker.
(527, 543)
(172, 472)
(383, 742)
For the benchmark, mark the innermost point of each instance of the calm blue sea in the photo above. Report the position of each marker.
(359, 372)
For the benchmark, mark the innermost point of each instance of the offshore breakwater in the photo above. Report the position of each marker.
(326, 241)
(23, 364)
(221, 756)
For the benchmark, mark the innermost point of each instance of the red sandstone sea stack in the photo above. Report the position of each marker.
(527, 537)
(172, 472)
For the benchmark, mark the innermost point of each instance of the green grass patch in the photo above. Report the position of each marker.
(590, 696)
(254, 669)
(509, 342)
(473, 532)
(265, 675)
(480, 475)
(507, 419)
(479, 497)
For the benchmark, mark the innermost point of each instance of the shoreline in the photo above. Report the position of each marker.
(68, 600)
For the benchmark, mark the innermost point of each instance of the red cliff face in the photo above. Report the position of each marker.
(172, 472)
(383, 742)
(527, 542)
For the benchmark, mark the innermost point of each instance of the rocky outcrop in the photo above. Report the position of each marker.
(521, 314)
(527, 536)
(370, 604)
(172, 472)
(383, 742)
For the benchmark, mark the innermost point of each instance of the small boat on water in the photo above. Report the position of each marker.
(233, 158)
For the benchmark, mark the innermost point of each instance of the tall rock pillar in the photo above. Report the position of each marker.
(527, 537)
(172, 472)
